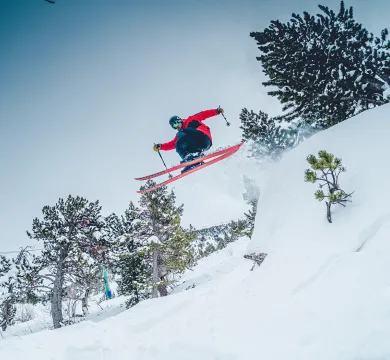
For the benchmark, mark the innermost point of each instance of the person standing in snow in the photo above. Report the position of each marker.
(192, 138)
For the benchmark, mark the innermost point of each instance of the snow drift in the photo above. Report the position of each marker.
(290, 219)
(323, 291)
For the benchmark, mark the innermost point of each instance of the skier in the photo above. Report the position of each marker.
(193, 136)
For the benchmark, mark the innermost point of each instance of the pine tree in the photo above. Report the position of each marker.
(251, 196)
(7, 300)
(326, 68)
(7, 312)
(135, 273)
(132, 264)
(268, 139)
(123, 231)
(5, 266)
(207, 239)
(251, 219)
(234, 231)
(68, 231)
(160, 218)
(329, 169)
(177, 250)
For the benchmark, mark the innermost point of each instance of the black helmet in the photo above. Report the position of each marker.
(175, 121)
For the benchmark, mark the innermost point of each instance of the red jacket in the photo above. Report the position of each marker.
(195, 121)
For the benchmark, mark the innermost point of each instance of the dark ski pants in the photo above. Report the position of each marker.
(190, 140)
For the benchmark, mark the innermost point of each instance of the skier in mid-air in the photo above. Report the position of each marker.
(193, 137)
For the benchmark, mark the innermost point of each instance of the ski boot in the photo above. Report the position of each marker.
(189, 157)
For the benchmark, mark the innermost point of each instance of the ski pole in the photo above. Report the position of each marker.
(227, 123)
(170, 175)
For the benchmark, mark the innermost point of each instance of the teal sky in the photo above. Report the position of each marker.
(87, 87)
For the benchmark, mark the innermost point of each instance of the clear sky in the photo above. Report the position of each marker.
(87, 87)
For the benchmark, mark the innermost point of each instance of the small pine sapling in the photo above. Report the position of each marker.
(326, 169)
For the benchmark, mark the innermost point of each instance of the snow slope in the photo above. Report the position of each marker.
(323, 291)
(41, 318)
(300, 224)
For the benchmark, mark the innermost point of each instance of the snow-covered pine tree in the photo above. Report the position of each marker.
(177, 249)
(7, 299)
(135, 275)
(124, 233)
(268, 138)
(7, 311)
(67, 231)
(207, 239)
(251, 196)
(251, 219)
(5, 266)
(235, 230)
(131, 253)
(160, 217)
(326, 68)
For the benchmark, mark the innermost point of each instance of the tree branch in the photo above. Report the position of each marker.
(47, 277)
(352, 98)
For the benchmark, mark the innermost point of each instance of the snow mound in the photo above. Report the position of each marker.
(217, 265)
(290, 220)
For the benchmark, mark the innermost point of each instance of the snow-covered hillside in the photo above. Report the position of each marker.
(323, 291)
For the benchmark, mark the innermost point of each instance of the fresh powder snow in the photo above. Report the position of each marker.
(322, 292)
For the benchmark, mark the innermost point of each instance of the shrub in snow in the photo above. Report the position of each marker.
(326, 170)
(257, 258)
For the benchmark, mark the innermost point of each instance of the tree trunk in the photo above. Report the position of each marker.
(84, 302)
(74, 306)
(7, 314)
(328, 214)
(155, 274)
(56, 300)
(162, 289)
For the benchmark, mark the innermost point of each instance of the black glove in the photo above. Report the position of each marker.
(220, 110)
(156, 147)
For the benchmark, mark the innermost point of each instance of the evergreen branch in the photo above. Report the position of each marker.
(352, 98)
(37, 287)
(47, 277)
(337, 175)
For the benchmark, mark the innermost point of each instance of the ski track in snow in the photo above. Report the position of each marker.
(367, 234)
(323, 268)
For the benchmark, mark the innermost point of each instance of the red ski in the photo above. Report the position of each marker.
(217, 153)
(222, 156)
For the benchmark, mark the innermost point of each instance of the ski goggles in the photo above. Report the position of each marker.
(176, 122)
